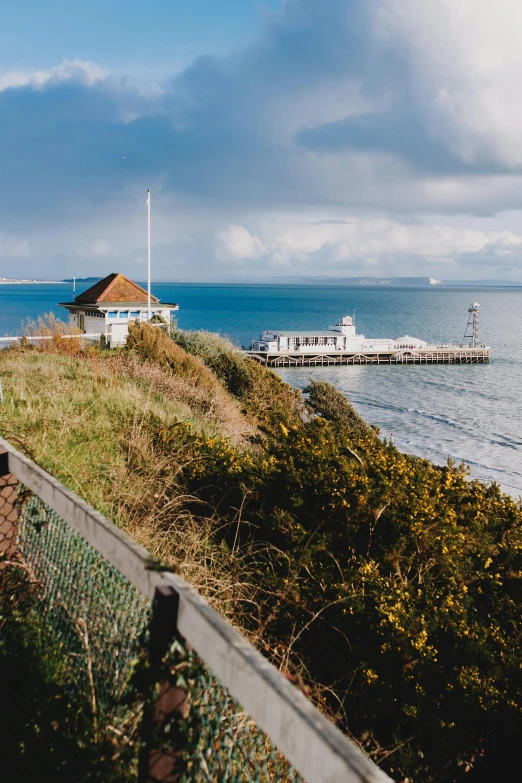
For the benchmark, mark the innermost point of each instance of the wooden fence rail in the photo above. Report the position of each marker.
(313, 745)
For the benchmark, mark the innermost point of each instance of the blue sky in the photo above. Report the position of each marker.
(320, 137)
(125, 34)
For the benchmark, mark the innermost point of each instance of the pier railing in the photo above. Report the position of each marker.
(201, 703)
(425, 355)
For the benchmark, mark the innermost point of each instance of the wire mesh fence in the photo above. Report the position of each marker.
(94, 614)
(8, 515)
(225, 743)
(101, 624)
(218, 739)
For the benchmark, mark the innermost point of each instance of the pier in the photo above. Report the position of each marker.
(442, 355)
(340, 344)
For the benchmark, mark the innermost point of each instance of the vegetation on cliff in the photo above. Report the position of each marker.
(390, 589)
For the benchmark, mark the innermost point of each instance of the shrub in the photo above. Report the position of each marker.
(48, 325)
(395, 583)
(406, 584)
(326, 401)
(265, 397)
(152, 343)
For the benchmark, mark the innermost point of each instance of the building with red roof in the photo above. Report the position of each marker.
(111, 304)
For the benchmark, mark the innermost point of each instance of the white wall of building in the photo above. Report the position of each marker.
(273, 343)
(117, 334)
(94, 325)
(113, 322)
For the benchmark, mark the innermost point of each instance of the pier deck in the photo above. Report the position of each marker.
(450, 355)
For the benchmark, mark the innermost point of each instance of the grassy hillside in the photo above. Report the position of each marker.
(87, 417)
(389, 588)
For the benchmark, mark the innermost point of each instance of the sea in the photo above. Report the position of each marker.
(469, 413)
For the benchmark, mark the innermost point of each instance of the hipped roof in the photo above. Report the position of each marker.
(115, 288)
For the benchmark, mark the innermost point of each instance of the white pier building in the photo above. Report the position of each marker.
(339, 337)
(340, 344)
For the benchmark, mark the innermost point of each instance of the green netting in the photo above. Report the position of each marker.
(94, 613)
(224, 743)
(215, 740)
(100, 621)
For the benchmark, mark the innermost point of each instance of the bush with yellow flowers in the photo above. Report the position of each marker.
(405, 585)
(398, 583)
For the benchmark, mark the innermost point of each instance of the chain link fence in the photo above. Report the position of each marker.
(100, 622)
(175, 700)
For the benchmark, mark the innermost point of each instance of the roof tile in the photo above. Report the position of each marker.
(115, 288)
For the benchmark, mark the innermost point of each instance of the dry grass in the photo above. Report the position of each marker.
(48, 325)
(84, 418)
(87, 420)
(212, 405)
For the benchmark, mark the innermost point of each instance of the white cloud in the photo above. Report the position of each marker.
(100, 248)
(332, 247)
(236, 243)
(464, 65)
(393, 111)
(77, 71)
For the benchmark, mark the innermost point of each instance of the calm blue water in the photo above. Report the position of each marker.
(471, 413)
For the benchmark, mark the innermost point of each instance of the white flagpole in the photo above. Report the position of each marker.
(148, 254)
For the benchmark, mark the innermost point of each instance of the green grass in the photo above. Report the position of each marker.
(91, 418)
(81, 417)
(94, 420)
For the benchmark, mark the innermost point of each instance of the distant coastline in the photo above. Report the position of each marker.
(363, 282)
(23, 281)
(349, 282)
(81, 279)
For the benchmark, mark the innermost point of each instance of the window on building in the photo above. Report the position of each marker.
(124, 313)
(112, 314)
(135, 314)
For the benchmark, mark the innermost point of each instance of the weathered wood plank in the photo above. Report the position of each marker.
(306, 738)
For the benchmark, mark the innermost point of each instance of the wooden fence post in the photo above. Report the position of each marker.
(8, 508)
(159, 764)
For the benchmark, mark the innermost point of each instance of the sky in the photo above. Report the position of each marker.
(285, 137)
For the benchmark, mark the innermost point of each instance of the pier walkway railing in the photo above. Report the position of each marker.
(456, 355)
(208, 706)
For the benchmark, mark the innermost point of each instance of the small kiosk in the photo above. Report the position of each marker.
(109, 306)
